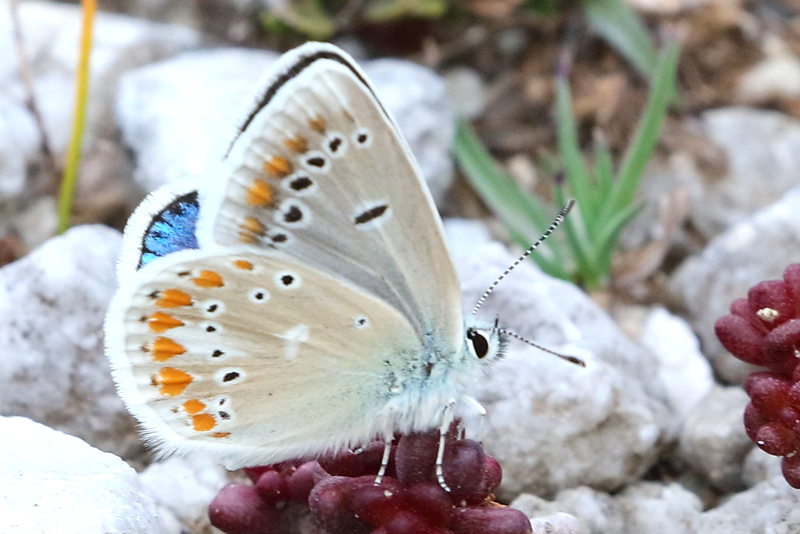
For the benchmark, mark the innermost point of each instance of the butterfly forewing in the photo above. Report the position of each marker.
(261, 356)
(321, 174)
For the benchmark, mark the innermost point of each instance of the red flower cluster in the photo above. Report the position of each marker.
(764, 329)
(338, 495)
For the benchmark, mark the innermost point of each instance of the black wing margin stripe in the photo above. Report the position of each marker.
(303, 63)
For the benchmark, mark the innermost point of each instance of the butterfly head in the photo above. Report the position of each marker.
(485, 343)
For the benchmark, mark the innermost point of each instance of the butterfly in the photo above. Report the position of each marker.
(300, 299)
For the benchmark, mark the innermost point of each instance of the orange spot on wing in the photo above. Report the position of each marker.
(278, 166)
(172, 298)
(220, 434)
(253, 226)
(164, 348)
(160, 322)
(171, 381)
(203, 422)
(317, 124)
(298, 144)
(243, 264)
(259, 194)
(193, 406)
(208, 279)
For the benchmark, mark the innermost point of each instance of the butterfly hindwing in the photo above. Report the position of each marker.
(163, 223)
(245, 352)
(321, 173)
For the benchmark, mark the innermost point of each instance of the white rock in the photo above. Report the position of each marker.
(551, 424)
(52, 305)
(178, 131)
(559, 523)
(771, 507)
(51, 482)
(669, 185)
(659, 508)
(759, 173)
(756, 174)
(760, 466)
(713, 441)
(684, 371)
(465, 90)
(758, 248)
(596, 512)
(183, 487)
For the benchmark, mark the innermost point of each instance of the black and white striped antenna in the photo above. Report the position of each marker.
(550, 229)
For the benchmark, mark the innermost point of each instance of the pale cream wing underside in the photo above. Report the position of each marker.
(260, 357)
(321, 173)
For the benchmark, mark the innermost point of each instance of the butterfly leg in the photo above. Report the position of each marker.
(476, 414)
(447, 419)
(387, 451)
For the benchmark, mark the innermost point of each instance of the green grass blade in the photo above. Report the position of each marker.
(647, 131)
(523, 216)
(617, 24)
(579, 243)
(388, 10)
(609, 236)
(574, 166)
(604, 170)
(308, 17)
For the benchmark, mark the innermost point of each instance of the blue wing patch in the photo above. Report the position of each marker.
(172, 229)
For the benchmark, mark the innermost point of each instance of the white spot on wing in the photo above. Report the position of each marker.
(292, 340)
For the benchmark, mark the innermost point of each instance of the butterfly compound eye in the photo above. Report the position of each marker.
(480, 344)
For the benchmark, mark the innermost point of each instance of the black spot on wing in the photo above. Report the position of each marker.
(294, 214)
(370, 214)
(300, 183)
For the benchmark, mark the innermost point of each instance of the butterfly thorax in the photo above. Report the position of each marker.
(440, 374)
(419, 387)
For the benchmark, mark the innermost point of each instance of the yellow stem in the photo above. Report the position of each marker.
(67, 191)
